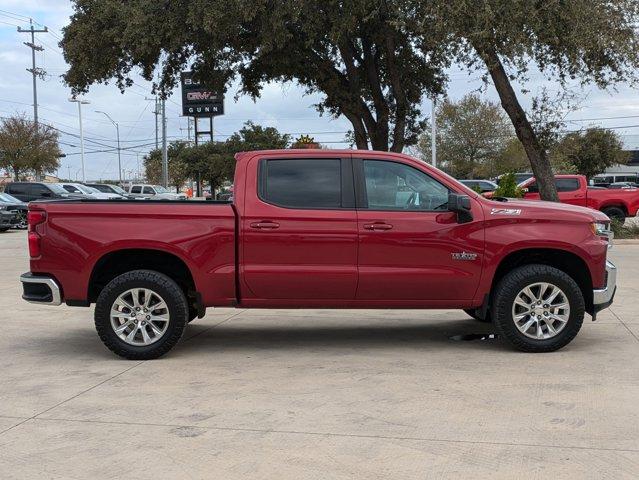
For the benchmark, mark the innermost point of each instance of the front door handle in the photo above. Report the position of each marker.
(377, 226)
(265, 225)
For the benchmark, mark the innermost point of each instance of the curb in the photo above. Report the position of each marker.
(625, 241)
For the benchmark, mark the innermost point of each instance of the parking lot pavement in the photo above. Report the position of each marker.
(261, 394)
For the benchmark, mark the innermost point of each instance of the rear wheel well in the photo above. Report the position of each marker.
(563, 260)
(116, 263)
(620, 206)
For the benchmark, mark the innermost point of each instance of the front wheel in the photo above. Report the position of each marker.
(141, 315)
(538, 308)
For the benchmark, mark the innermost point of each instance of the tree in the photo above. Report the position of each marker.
(255, 137)
(26, 147)
(592, 41)
(357, 54)
(178, 171)
(592, 151)
(471, 134)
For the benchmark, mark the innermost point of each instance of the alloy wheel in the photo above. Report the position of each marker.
(541, 311)
(139, 316)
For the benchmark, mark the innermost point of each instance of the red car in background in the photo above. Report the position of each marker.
(618, 204)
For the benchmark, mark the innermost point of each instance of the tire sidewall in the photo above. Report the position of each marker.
(163, 286)
(510, 287)
(615, 213)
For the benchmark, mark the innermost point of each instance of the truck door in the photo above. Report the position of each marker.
(299, 229)
(411, 248)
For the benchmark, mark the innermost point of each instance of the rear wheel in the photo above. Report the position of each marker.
(538, 308)
(615, 213)
(141, 315)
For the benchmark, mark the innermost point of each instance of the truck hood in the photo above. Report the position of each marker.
(545, 210)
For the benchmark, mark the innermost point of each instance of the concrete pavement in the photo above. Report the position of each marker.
(316, 394)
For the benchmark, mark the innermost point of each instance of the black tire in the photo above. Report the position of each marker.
(157, 282)
(506, 293)
(615, 213)
(474, 313)
(3, 229)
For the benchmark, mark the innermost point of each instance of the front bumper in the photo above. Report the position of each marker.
(602, 298)
(7, 219)
(40, 289)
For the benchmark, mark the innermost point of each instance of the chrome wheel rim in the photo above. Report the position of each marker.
(140, 317)
(541, 311)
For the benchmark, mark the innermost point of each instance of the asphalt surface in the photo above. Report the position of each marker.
(316, 395)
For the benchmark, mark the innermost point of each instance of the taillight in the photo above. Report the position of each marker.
(35, 217)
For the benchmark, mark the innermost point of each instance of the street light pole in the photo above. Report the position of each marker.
(80, 103)
(117, 132)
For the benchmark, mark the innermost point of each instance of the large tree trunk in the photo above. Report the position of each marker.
(525, 133)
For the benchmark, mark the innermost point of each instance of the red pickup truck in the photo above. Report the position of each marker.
(322, 229)
(615, 203)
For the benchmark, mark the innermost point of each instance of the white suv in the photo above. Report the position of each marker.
(154, 192)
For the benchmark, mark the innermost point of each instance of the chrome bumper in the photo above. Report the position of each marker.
(40, 290)
(602, 298)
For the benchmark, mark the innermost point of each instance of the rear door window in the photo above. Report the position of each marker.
(17, 188)
(149, 191)
(309, 183)
(567, 184)
(136, 189)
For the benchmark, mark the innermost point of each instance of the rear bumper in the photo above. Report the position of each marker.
(602, 298)
(40, 289)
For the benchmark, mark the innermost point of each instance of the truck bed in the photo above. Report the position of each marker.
(80, 233)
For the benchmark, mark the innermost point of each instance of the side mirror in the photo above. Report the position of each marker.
(460, 204)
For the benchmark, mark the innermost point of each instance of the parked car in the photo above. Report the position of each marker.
(519, 177)
(155, 192)
(323, 229)
(606, 179)
(32, 191)
(88, 192)
(617, 185)
(109, 188)
(482, 186)
(14, 205)
(7, 218)
(616, 203)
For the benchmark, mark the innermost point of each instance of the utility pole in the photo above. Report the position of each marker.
(156, 112)
(433, 133)
(35, 72)
(80, 103)
(117, 132)
(165, 153)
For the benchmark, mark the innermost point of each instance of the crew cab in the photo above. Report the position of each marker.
(573, 189)
(322, 229)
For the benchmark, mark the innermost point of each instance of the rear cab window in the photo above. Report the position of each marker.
(302, 183)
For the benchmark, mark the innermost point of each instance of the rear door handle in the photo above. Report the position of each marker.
(265, 225)
(377, 226)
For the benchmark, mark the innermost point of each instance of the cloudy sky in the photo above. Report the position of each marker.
(282, 106)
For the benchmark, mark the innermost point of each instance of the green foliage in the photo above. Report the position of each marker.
(625, 230)
(590, 152)
(27, 148)
(213, 161)
(357, 54)
(471, 134)
(508, 187)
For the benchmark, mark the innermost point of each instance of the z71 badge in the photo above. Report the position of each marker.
(505, 211)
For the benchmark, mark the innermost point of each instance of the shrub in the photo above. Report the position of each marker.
(508, 187)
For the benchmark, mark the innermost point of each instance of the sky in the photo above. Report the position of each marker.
(284, 106)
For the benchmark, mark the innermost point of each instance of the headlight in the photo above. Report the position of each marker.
(602, 229)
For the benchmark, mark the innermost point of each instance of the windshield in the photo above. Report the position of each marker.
(159, 189)
(6, 198)
(83, 188)
(118, 189)
(57, 188)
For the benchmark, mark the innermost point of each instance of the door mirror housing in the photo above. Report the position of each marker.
(460, 204)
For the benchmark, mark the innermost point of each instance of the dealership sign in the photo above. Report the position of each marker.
(199, 101)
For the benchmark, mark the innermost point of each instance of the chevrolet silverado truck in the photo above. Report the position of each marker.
(322, 229)
(618, 204)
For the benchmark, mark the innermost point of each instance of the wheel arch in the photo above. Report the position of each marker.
(117, 262)
(568, 262)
